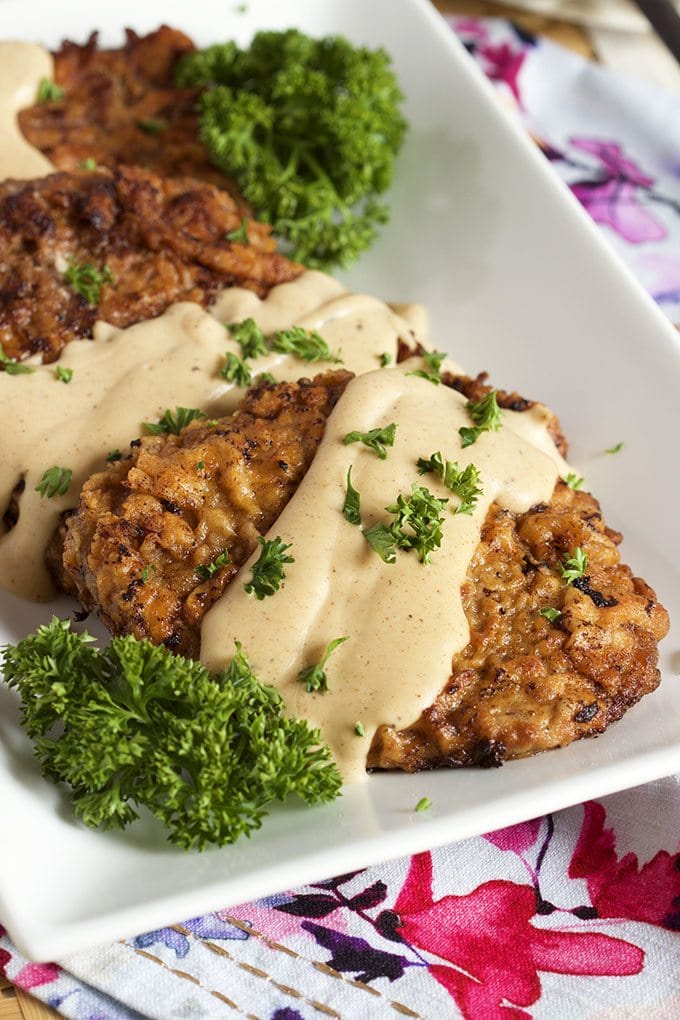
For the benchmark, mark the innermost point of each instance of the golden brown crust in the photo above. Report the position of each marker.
(142, 527)
(162, 240)
(524, 684)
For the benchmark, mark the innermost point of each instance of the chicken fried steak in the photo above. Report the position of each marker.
(523, 684)
(150, 241)
(121, 106)
(151, 525)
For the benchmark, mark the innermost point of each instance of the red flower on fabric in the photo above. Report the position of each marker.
(34, 974)
(5, 957)
(495, 951)
(503, 63)
(621, 888)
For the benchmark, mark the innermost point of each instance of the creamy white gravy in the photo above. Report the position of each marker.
(404, 621)
(125, 377)
(22, 65)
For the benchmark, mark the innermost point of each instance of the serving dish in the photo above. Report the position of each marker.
(517, 280)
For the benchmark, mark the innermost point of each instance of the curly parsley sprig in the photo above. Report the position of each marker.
(486, 414)
(87, 280)
(573, 565)
(375, 439)
(433, 360)
(134, 726)
(267, 572)
(417, 525)
(314, 677)
(464, 482)
(173, 422)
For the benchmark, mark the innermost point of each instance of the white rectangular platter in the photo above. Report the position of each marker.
(517, 281)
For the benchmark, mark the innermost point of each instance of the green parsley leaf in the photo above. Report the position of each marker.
(235, 370)
(63, 374)
(615, 449)
(308, 346)
(314, 677)
(249, 337)
(424, 804)
(359, 729)
(574, 481)
(134, 726)
(13, 367)
(173, 423)
(113, 456)
(573, 565)
(433, 360)
(265, 377)
(268, 572)
(49, 91)
(87, 280)
(385, 359)
(417, 525)
(240, 235)
(144, 576)
(152, 125)
(486, 415)
(382, 541)
(88, 164)
(374, 439)
(56, 481)
(200, 465)
(207, 571)
(351, 508)
(464, 482)
(550, 613)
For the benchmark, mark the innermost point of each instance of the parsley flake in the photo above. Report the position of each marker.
(314, 677)
(235, 370)
(550, 613)
(249, 337)
(112, 457)
(308, 346)
(266, 377)
(88, 164)
(87, 280)
(173, 423)
(433, 360)
(144, 576)
(359, 729)
(56, 481)
(615, 449)
(464, 482)
(63, 374)
(268, 572)
(13, 367)
(385, 359)
(424, 804)
(486, 415)
(49, 91)
(200, 464)
(351, 508)
(574, 481)
(417, 525)
(374, 439)
(573, 565)
(208, 570)
(240, 235)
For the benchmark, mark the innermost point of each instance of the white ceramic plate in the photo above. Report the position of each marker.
(516, 280)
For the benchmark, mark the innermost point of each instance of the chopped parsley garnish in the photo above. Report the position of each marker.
(574, 481)
(56, 481)
(235, 370)
(13, 367)
(87, 280)
(240, 235)
(266, 377)
(573, 565)
(49, 91)
(359, 729)
(88, 164)
(144, 576)
(550, 613)
(615, 449)
(423, 804)
(417, 525)
(173, 423)
(375, 439)
(351, 508)
(385, 359)
(152, 125)
(464, 482)
(314, 677)
(308, 346)
(433, 360)
(112, 457)
(268, 572)
(133, 725)
(249, 337)
(486, 415)
(200, 464)
(208, 570)
(63, 374)
(309, 128)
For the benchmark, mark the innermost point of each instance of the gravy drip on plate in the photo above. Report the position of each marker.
(404, 621)
(125, 377)
(22, 66)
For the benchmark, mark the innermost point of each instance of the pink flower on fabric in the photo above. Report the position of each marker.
(621, 888)
(495, 951)
(612, 199)
(503, 63)
(5, 958)
(34, 974)
(517, 838)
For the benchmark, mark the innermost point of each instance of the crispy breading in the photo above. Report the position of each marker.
(121, 106)
(162, 241)
(524, 684)
(175, 503)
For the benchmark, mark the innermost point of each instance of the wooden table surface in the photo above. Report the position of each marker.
(17, 1005)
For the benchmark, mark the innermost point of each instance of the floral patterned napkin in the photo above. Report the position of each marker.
(572, 915)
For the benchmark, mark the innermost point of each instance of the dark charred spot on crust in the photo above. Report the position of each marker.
(174, 641)
(488, 754)
(600, 600)
(136, 442)
(123, 550)
(528, 565)
(283, 465)
(131, 590)
(587, 713)
(171, 507)
(80, 615)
